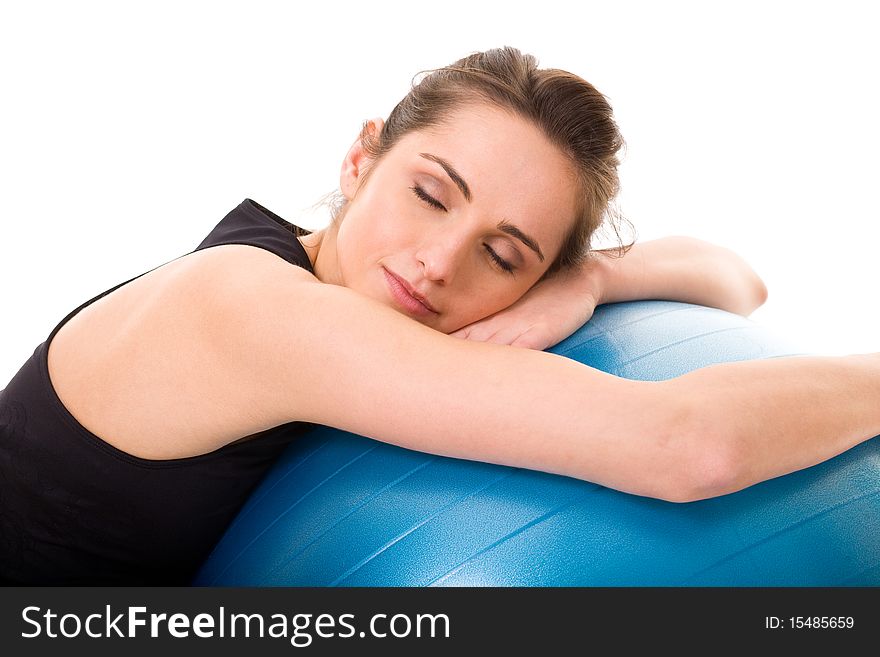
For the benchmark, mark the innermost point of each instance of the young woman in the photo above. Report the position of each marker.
(135, 432)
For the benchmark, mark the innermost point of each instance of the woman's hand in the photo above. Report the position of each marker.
(547, 314)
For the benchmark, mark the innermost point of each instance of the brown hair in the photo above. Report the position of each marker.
(568, 109)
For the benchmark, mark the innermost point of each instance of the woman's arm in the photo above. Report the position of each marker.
(674, 268)
(778, 415)
(326, 354)
(678, 269)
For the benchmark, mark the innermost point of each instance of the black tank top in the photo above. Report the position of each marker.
(76, 510)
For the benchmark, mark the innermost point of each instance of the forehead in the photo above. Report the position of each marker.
(513, 170)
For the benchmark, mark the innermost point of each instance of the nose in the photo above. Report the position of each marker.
(441, 256)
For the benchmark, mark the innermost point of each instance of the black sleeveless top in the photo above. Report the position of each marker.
(76, 510)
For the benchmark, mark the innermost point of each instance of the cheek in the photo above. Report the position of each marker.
(357, 237)
(474, 307)
(372, 229)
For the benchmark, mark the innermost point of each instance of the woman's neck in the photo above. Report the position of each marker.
(320, 246)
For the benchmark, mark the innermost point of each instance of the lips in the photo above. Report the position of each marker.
(406, 296)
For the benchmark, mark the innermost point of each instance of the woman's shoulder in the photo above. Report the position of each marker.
(224, 281)
(233, 260)
(209, 280)
(193, 287)
(145, 362)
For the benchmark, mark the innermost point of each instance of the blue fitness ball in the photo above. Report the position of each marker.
(342, 510)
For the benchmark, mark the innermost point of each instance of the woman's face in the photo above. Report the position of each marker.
(457, 222)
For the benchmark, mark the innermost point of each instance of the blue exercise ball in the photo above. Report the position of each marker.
(343, 510)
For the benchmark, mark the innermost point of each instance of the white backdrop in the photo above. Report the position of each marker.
(127, 130)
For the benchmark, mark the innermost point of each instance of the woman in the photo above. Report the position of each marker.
(136, 431)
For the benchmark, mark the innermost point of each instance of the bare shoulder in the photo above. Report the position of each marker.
(251, 256)
(140, 369)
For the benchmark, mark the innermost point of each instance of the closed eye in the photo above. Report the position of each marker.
(427, 199)
(498, 260)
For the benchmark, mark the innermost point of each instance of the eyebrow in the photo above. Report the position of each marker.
(504, 226)
(452, 173)
(513, 231)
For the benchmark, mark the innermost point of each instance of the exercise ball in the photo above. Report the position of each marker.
(343, 510)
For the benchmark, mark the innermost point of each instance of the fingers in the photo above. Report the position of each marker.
(481, 331)
(532, 339)
(510, 335)
(531, 327)
(529, 336)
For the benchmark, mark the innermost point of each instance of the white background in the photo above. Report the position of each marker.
(127, 130)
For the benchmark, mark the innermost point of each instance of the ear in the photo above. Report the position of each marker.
(357, 161)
